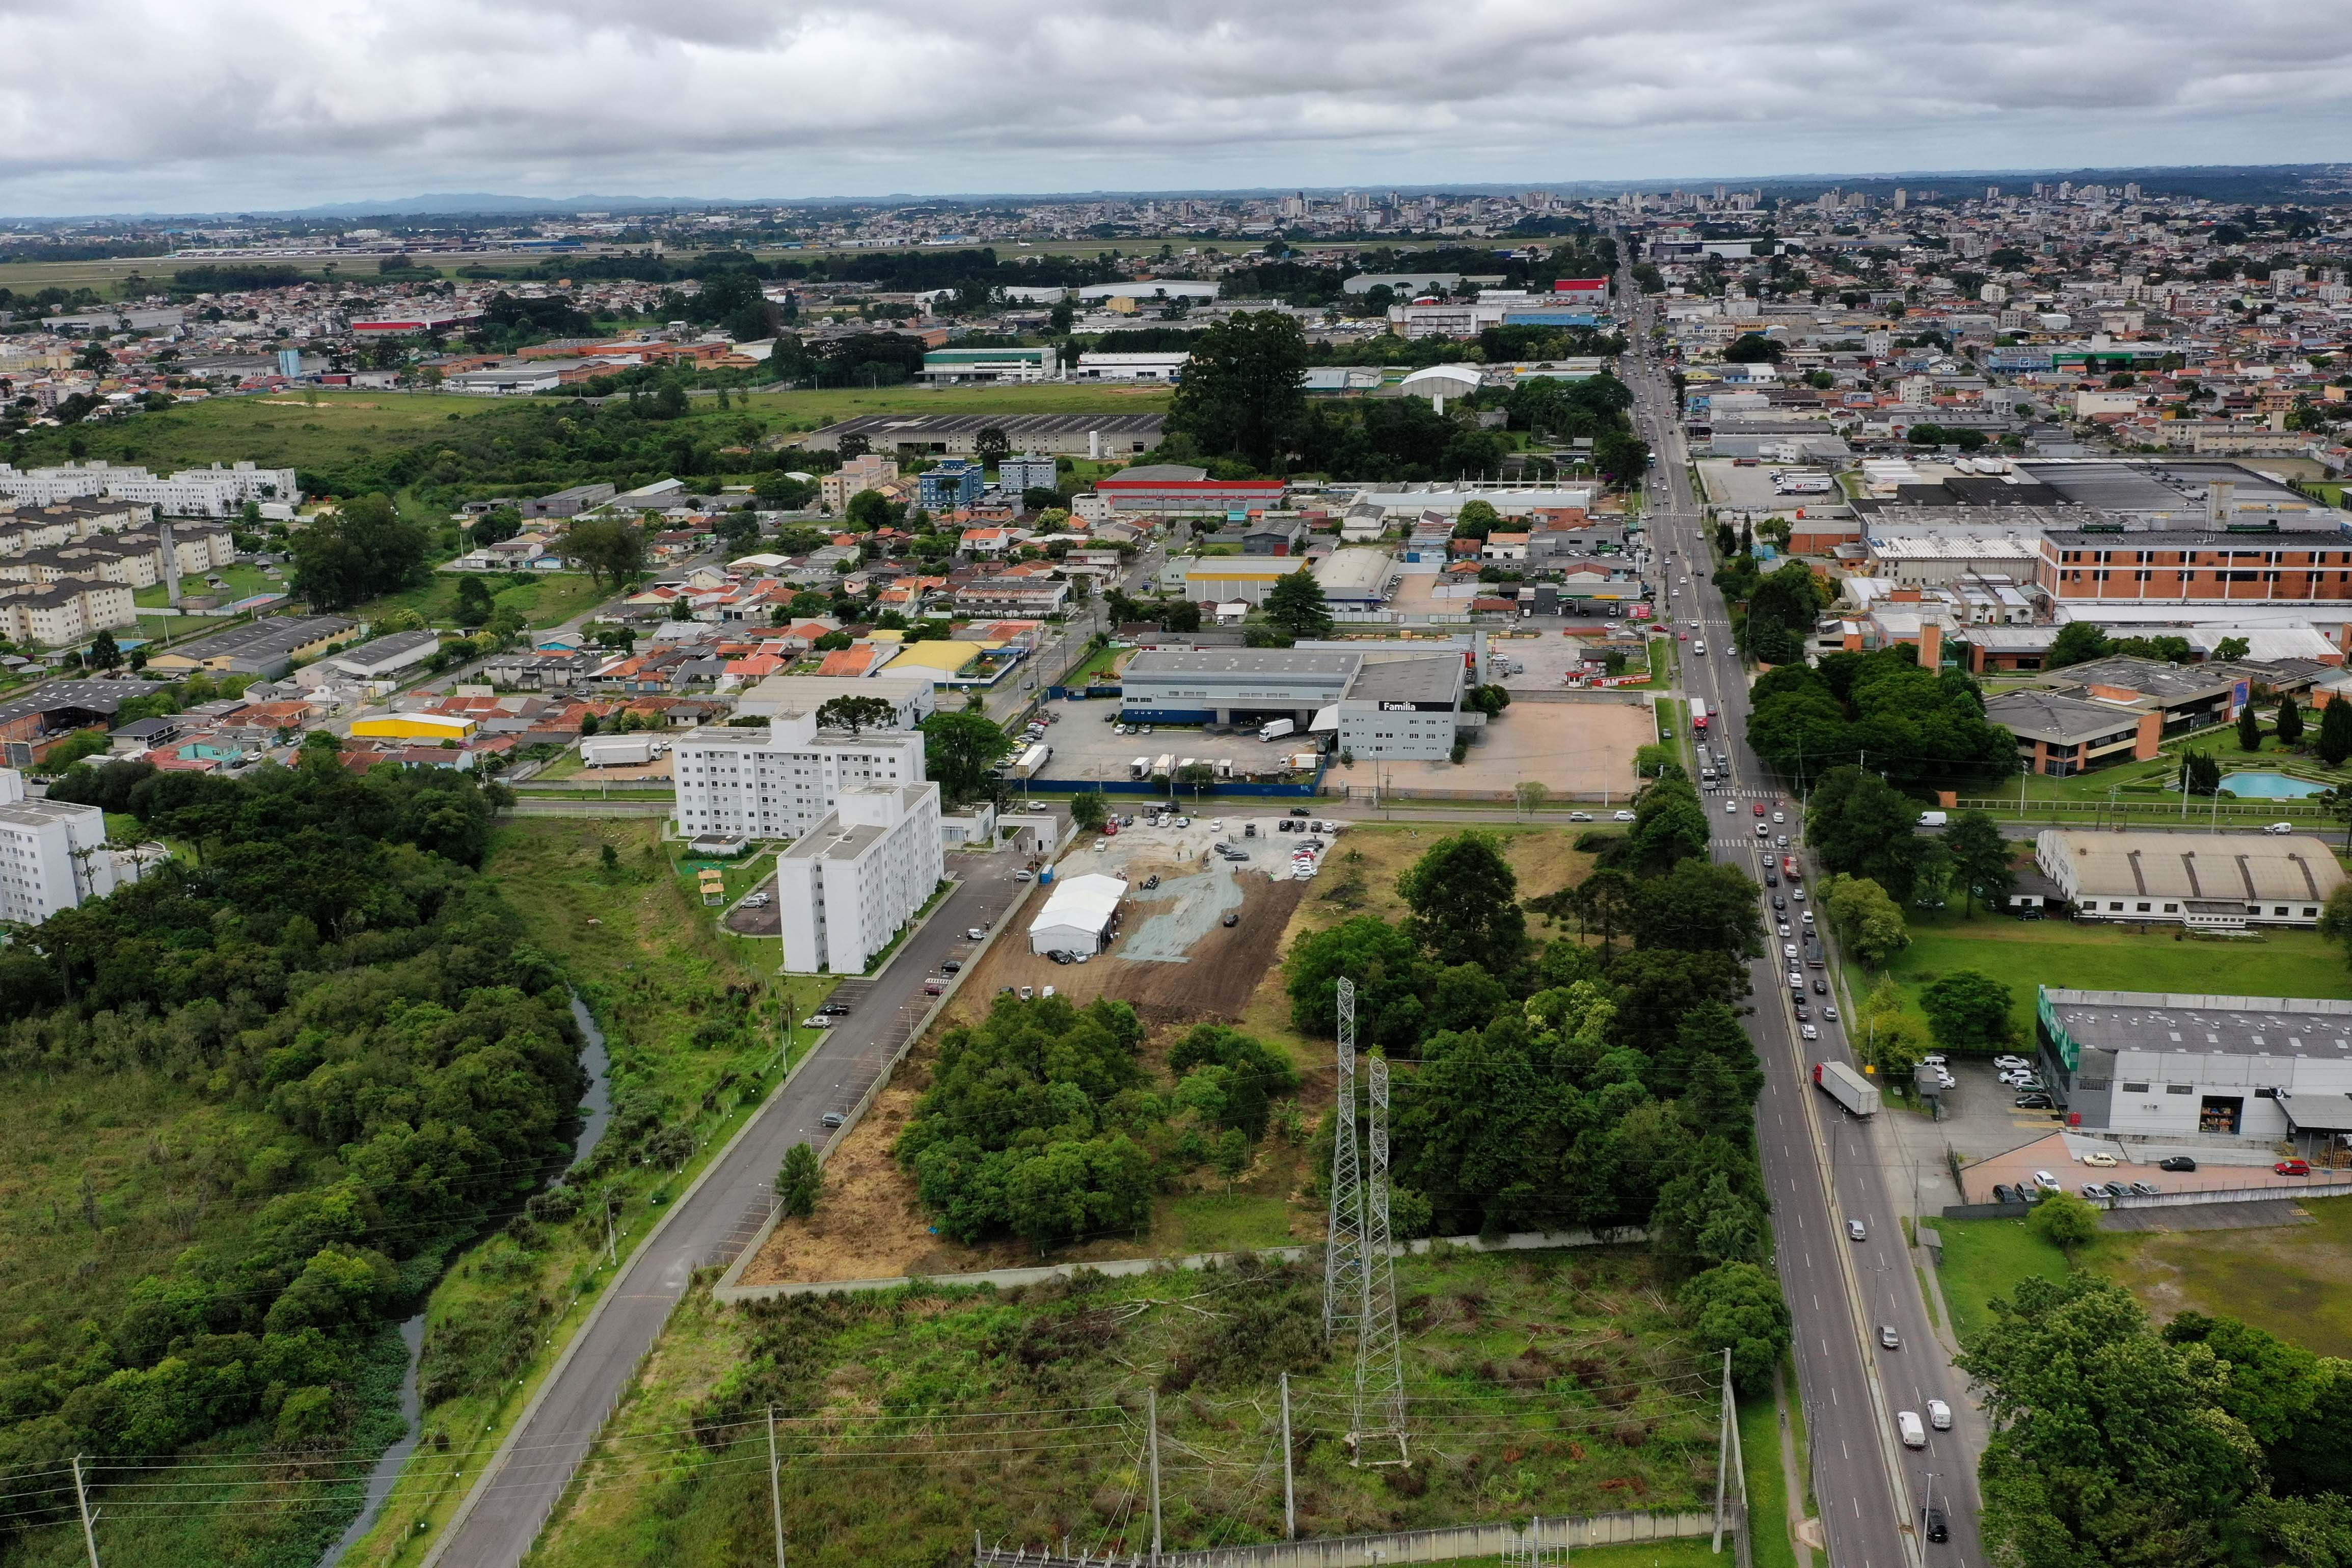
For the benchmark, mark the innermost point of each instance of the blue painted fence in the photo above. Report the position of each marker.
(1082, 693)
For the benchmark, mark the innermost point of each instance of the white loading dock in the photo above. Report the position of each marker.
(1077, 918)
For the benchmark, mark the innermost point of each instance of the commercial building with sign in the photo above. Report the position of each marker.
(1403, 709)
(2174, 1065)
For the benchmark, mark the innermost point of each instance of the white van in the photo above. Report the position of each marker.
(1913, 1432)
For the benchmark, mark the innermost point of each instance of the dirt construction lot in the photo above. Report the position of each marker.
(1173, 960)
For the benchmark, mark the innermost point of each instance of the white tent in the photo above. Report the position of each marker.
(1077, 916)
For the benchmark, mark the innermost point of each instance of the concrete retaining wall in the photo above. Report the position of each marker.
(730, 1290)
(1448, 1545)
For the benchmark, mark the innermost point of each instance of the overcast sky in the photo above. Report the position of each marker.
(197, 105)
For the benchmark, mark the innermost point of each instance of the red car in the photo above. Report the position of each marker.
(1759, 808)
(2293, 1167)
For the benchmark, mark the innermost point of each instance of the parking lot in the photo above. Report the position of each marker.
(1548, 657)
(1087, 748)
(1751, 490)
(1582, 747)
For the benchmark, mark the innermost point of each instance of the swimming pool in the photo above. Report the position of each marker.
(2268, 786)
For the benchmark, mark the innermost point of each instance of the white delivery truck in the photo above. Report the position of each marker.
(1139, 769)
(1276, 728)
(1847, 1086)
(1165, 766)
(616, 751)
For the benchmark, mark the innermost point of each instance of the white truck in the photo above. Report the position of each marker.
(1033, 762)
(1276, 728)
(1847, 1086)
(616, 751)
(1139, 769)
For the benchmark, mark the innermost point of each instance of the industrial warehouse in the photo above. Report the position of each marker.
(1403, 706)
(2159, 1064)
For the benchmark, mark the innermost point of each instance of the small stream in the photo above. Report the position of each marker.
(595, 1116)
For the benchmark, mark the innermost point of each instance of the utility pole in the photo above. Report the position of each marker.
(612, 1238)
(1152, 1445)
(1289, 1495)
(776, 1486)
(81, 1501)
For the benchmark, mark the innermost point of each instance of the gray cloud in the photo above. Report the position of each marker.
(211, 103)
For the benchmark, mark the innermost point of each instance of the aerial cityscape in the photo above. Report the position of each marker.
(1531, 797)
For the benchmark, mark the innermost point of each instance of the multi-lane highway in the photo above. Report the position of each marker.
(1822, 1168)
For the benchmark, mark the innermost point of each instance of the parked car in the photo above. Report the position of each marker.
(2093, 1191)
(975, 933)
(950, 966)
(2008, 1061)
(816, 1021)
(2145, 1189)
(1232, 919)
(2293, 1167)
(2098, 1157)
(2045, 1180)
(833, 1118)
(2034, 1102)
(1151, 881)
(2177, 1162)
(838, 1009)
(2004, 1194)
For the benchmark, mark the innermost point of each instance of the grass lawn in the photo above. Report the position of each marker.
(278, 432)
(242, 582)
(546, 599)
(1768, 1491)
(2290, 1281)
(1541, 1383)
(795, 411)
(2026, 953)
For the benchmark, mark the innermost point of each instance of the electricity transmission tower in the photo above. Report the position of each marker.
(1343, 1246)
(1379, 1352)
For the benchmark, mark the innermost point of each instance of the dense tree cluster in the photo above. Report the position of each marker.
(1573, 1086)
(326, 955)
(1880, 711)
(2207, 1442)
(1041, 1123)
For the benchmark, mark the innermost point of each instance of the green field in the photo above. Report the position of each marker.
(2289, 1280)
(545, 599)
(2061, 953)
(242, 582)
(813, 410)
(1551, 1383)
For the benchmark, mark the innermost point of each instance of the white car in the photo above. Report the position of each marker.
(1731, 808)
(2100, 1159)
(1625, 816)
(1940, 1415)
(1933, 1059)
(1809, 917)
(1779, 816)
(2011, 1062)
(1809, 1032)
(1788, 949)
(2280, 827)
(1784, 928)
(1579, 817)
(2045, 1180)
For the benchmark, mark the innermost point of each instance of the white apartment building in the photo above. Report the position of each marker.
(215, 492)
(782, 781)
(51, 854)
(858, 876)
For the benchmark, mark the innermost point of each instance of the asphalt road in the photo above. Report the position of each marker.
(501, 1517)
(1870, 1491)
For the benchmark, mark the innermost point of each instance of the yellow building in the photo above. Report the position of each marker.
(939, 658)
(415, 727)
